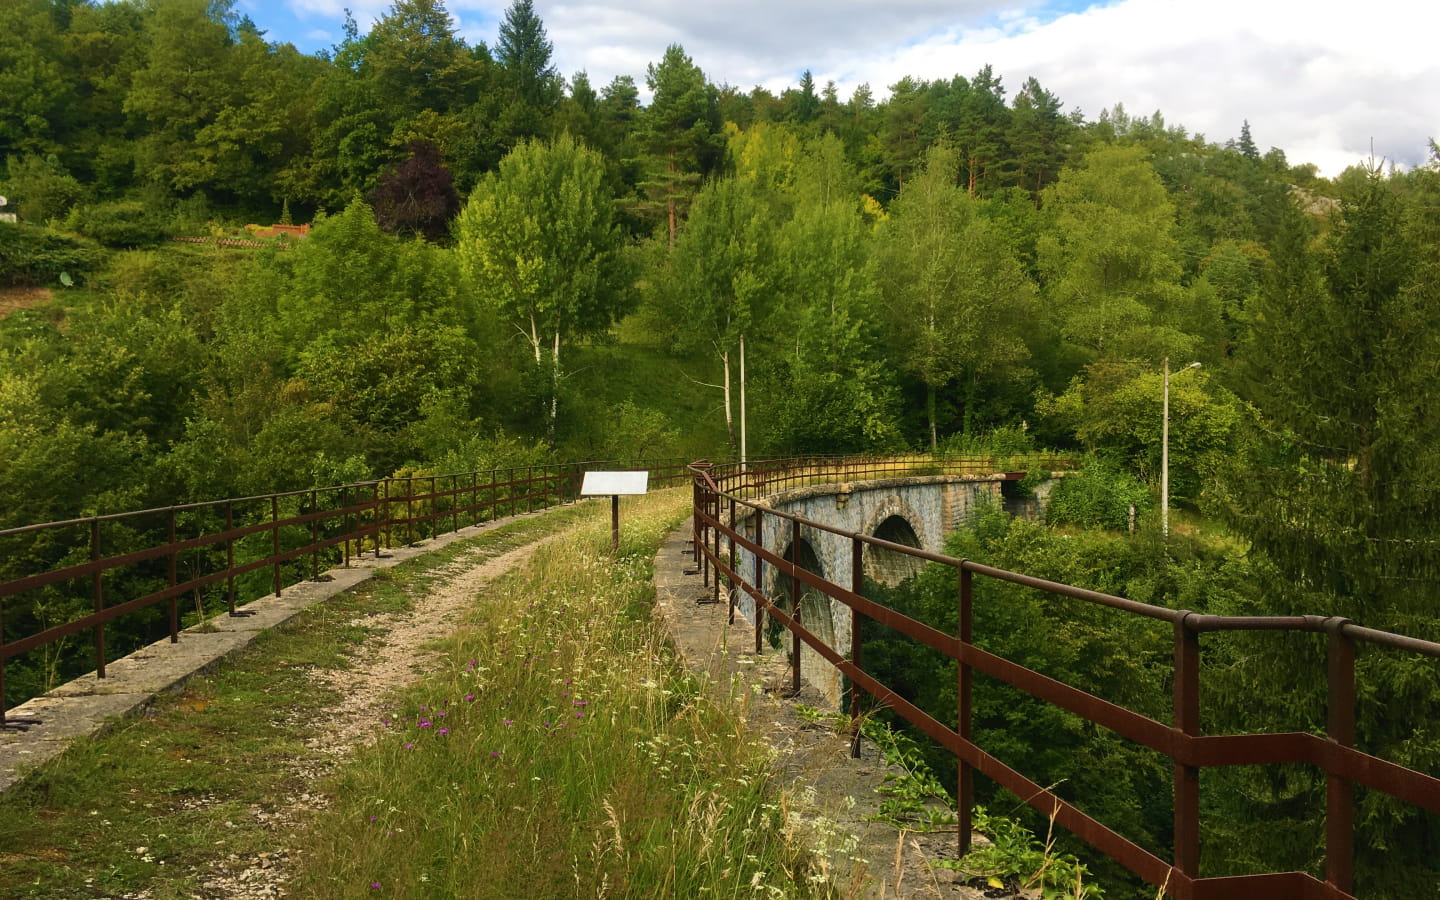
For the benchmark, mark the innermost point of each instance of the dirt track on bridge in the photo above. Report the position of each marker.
(401, 655)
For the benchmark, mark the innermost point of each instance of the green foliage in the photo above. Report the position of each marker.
(1098, 496)
(957, 296)
(913, 796)
(1016, 856)
(39, 188)
(31, 255)
(1109, 257)
(126, 223)
(678, 136)
(1115, 409)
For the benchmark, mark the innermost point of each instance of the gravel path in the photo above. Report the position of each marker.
(398, 658)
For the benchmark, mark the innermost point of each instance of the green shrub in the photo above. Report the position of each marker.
(39, 188)
(31, 255)
(123, 223)
(1098, 495)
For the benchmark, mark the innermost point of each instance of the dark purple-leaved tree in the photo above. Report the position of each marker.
(418, 196)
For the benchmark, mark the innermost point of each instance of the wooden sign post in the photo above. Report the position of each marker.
(615, 484)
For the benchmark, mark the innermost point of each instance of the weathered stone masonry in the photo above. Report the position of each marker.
(918, 511)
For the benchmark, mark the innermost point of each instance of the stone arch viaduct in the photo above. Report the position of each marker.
(917, 511)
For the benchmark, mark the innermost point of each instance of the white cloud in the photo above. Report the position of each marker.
(1319, 79)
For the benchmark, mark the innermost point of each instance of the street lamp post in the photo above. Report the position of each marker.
(1165, 450)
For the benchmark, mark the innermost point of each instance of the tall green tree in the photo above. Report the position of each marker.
(37, 94)
(524, 52)
(719, 281)
(956, 294)
(538, 243)
(1038, 137)
(1109, 258)
(678, 137)
(835, 389)
(182, 88)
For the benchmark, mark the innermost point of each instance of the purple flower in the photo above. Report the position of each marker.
(425, 724)
(470, 697)
(494, 752)
(410, 746)
(509, 721)
(374, 885)
(443, 731)
(579, 715)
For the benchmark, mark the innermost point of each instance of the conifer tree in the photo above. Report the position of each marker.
(678, 136)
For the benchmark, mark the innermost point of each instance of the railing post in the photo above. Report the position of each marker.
(732, 559)
(275, 540)
(2, 664)
(511, 489)
(759, 580)
(795, 604)
(345, 519)
(230, 557)
(695, 519)
(389, 535)
(454, 503)
(174, 600)
(97, 591)
(314, 535)
(1187, 778)
(965, 785)
(1340, 728)
(857, 585)
(715, 546)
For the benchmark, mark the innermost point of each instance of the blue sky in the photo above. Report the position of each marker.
(1316, 78)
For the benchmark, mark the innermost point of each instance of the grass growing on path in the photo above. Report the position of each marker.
(157, 801)
(561, 752)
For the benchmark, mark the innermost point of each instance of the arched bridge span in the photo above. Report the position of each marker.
(914, 511)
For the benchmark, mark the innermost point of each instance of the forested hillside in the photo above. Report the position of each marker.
(507, 265)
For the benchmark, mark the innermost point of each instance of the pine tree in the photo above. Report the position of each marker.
(678, 136)
(1246, 144)
(524, 52)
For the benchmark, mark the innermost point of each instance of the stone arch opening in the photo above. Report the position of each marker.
(814, 605)
(890, 567)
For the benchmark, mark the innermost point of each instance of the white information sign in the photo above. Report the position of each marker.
(614, 483)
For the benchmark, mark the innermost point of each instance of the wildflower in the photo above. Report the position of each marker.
(443, 731)
(410, 746)
(374, 885)
(494, 753)
(469, 698)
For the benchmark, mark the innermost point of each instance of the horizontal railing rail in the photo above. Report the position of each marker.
(160, 555)
(735, 491)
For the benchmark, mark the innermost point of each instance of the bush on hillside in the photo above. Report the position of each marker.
(1098, 495)
(31, 255)
(123, 223)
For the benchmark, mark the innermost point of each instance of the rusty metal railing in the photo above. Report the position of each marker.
(1181, 740)
(159, 556)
